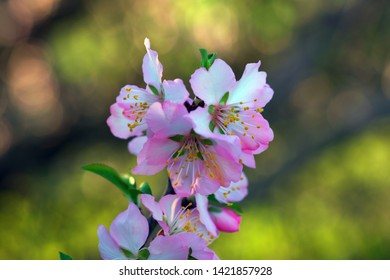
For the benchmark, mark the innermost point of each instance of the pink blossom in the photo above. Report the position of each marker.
(234, 107)
(128, 233)
(128, 113)
(196, 162)
(175, 218)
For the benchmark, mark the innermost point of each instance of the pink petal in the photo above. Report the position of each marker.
(250, 86)
(248, 159)
(154, 155)
(211, 85)
(264, 96)
(201, 120)
(108, 248)
(168, 119)
(118, 123)
(130, 229)
(151, 67)
(237, 191)
(170, 204)
(176, 247)
(175, 91)
(205, 218)
(135, 146)
(261, 131)
(171, 247)
(227, 220)
(154, 207)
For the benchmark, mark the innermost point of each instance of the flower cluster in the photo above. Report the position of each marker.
(203, 143)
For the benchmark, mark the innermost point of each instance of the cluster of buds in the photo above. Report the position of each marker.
(203, 143)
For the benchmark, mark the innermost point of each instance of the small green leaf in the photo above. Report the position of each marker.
(199, 155)
(212, 126)
(143, 254)
(178, 138)
(179, 154)
(128, 254)
(212, 57)
(154, 90)
(224, 99)
(207, 142)
(145, 188)
(204, 58)
(214, 209)
(111, 175)
(65, 257)
(220, 130)
(211, 109)
(207, 59)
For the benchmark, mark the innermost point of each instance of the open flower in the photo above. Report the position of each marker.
(175, 218)
(128, 113)
(128, 233)
(196, 162)
(217, 217)
(234, 107)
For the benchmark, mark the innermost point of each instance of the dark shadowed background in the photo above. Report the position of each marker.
(322, 189)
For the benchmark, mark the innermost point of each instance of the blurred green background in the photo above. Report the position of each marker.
(322, 189)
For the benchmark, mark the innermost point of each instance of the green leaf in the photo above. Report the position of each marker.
(177, 154)
(204, 58)
(207, 142)
(107, 172)
(199, 155)
(212, 126)
(207, 59)
(145, 188)
(143, 254)
(220, 130)
(65, 257)
(211, 109)
(212, 57)
(128, 254)
(214, 209)
(178, 138)
(154, 90)
(224, 99)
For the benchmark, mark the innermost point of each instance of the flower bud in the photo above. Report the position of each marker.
(226, 220)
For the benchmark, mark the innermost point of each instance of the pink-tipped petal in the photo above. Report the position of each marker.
(130, 229)
(108, 248)
(175, 91)
(227, 220)
(236, 192)
(205, 218)
(211, 85)
(152, 67)
(135, 146)
(250, 85)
